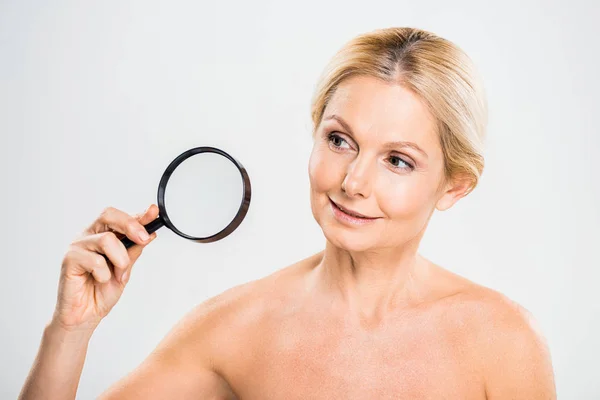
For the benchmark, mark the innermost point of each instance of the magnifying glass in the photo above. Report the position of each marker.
(207, 193)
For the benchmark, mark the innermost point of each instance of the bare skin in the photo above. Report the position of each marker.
(285, 336)
(366, 318)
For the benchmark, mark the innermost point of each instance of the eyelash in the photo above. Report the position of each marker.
(332, 136)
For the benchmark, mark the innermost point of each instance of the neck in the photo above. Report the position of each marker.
(372, 283)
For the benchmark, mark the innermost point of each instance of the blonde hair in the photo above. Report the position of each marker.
(437, 70)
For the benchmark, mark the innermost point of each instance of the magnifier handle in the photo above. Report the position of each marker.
(150, 228)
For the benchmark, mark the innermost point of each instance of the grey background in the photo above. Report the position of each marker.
(96, 98)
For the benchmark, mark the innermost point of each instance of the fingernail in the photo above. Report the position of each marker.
(125, 277)
(143, 235)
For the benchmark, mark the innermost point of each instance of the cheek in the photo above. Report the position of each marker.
(324, 173)
(406, 198)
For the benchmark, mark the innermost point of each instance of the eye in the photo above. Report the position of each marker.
(399, 163)
(337, 141)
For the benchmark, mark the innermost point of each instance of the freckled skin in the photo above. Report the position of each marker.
(294, 343)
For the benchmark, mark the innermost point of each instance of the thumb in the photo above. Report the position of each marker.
(136, 251)
(149, 215)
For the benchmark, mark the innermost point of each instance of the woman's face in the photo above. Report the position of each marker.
(377, 153)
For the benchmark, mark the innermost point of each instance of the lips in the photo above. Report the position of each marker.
(350, 212)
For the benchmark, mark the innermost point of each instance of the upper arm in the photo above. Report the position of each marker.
(179, 368)
(157, 378)
(517, 364)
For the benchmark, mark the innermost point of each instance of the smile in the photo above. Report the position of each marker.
(346, 215)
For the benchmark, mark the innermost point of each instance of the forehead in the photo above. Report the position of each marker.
(377, 110)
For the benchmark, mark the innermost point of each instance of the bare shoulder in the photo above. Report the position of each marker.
(480, 305)
(217, 324)
(511, 348)
(253, 299)
(493, 315)
(489, 314)
(208, 345)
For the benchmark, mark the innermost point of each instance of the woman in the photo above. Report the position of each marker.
(399, 117)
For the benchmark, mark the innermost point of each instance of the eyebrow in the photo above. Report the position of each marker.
(389, 145)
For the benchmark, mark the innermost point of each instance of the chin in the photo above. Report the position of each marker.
(349, 239)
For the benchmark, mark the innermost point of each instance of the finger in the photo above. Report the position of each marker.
(134, 254)
(144, 218)
(136, 251)
(79, 260)
(149, 215)
(107, 243)
(115, 220)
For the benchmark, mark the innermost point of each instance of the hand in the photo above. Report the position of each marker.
(97, 266)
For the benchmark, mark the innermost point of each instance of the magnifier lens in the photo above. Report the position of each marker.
(204, 194)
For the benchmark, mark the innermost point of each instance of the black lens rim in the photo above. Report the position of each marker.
(242, 210)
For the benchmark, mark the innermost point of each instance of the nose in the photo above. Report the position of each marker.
(358, 180)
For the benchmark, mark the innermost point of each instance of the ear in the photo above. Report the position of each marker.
(453, 191)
